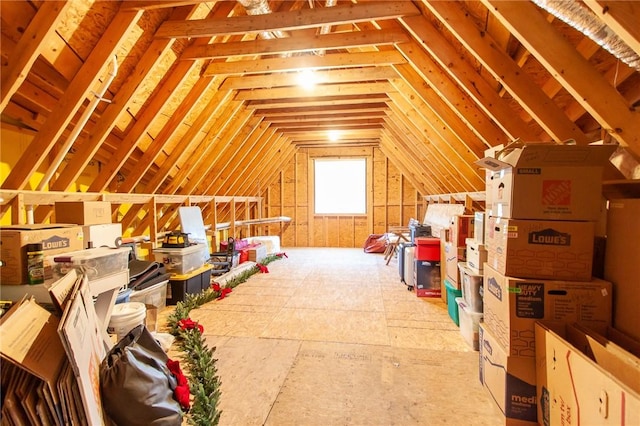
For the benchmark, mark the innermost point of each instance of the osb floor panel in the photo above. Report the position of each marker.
(331, 337)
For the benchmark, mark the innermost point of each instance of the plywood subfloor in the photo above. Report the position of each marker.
(331, 337)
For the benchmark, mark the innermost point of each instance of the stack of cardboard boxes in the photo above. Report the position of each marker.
(542, 204)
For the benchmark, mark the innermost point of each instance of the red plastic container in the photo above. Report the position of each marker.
(427, 248)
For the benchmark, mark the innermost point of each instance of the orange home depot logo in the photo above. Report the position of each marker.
(556, 192)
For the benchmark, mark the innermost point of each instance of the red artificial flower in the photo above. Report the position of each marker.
(263, 268)
(182, 392)
(215, 287)
(189, 324)
(223, 292)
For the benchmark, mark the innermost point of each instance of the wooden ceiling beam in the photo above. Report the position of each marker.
(295, 63)
(319, 117)
(345, 75)
(474, 86)
(622, 17)
(530, 96)
(286, 21)
(29, 47)
(297, 43)
(79, 89)
(399, 159)
(287, 104)
(585, 83)
(317, 93)
(345, 109)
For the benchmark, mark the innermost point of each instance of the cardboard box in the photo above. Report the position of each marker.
(559, 250)
(510, 380)
(476, 255)
(55, 238)
(461, 228)
(452, 255)
(102, 235)
(622, 263)
(584, 377)
(547, 181)
(513, 305)
(478, 227)
(83, 212)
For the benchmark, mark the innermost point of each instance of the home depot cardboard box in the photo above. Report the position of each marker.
(561, 250)
(622, 263)
(584, 378)
(55, 238)
(510, 380)
(83, 212)
(513, 305)
(547, 181)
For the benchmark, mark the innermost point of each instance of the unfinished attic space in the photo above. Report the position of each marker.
(320, 212)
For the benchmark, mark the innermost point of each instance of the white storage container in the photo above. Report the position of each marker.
(471, 287)
(409, 266)
(94, 263)
(182, 260)
(469, 323)
(155, 299)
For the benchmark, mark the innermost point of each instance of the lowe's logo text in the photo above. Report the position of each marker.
(549, 237)
(55, 242)
(494, 288)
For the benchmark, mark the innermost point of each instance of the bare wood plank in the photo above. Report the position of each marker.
(287, 21)
(119, 103)
(622, 17)
(584, 82)
(529, 95)
(325, 102)
(299, 43)
(317, 93)
(78, 90)
(293, 63)
(158, 4)
(345, 75)
(29, 47)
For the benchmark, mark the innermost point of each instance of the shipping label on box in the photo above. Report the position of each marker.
(560, 250)
(583, 378)
(510, 380)
(547, 181)
(513, 305)
(55, 238)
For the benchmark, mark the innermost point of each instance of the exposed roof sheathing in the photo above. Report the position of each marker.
(204, 90)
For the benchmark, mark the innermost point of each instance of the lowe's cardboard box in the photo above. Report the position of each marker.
(547, 181)
(83, 212)
(55, 238)
(510, 380)
(556, 250)
(622, 263)
(584, 378)
(513, 305)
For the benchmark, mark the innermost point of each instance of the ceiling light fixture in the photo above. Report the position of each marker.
(334, 135)
(307, 79)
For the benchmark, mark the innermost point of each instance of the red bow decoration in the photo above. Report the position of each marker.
(189, 324)
(223, 292)
(215, 287)
(263, 268)
(282, 254)
(181, 392)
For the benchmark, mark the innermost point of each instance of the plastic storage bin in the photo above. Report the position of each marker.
(427, 248)
(182, 260)
(471, 287)
(94, 263)
(155, 299)
(452, 306)
(191, 283)
(469, 323)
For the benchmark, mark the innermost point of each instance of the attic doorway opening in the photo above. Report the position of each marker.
(340, 186)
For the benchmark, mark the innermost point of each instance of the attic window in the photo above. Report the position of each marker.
(340, 186)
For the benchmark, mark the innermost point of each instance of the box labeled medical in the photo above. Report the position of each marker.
(547, 181)
(510, 380)
(55, 238)
(560, 250)
(584, 375)
(513, 305)
(83, 212)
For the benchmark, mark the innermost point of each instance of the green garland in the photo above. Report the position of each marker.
(200, 364)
